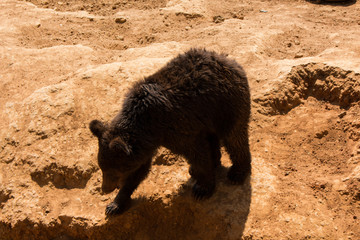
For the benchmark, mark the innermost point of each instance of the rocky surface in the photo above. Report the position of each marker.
(66, 63)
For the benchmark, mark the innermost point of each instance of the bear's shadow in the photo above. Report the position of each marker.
(181, 216)
(339, 3)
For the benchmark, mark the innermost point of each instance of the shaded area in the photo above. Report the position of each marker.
(181, 217)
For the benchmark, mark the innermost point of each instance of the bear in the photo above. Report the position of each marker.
(198, 102)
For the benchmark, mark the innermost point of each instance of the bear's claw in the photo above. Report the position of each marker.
(202, 192)
(115, 208)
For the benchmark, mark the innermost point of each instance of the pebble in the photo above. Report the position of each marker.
(238, 16)
(321, 134)
(341, 115)
(120, 20)
(167, 193)
(298, 55)
(218, 19)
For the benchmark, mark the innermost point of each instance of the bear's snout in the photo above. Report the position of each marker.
(109, 185)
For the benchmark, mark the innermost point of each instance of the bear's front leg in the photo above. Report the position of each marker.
(204, 186)
(122, 200)
(121, 203)
(202, 167)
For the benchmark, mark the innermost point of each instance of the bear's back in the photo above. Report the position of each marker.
(204, 90)
(199, 71)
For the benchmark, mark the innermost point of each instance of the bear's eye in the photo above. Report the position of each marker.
(103, 142)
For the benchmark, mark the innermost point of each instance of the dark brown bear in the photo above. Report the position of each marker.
(197, 102)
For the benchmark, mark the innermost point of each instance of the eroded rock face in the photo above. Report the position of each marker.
(325, 83)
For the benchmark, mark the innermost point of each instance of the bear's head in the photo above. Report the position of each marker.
(114, 157)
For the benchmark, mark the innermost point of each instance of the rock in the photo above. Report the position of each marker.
(62, 183)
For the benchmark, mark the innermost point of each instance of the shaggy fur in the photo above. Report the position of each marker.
(199, 101)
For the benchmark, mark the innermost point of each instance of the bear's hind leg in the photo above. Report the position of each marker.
(237, 145)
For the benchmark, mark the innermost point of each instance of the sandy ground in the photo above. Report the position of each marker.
(64, 63)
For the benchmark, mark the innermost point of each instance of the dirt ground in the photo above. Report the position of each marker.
(64, 63)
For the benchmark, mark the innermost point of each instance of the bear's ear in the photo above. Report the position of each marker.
(97, 128)
(118, 144)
